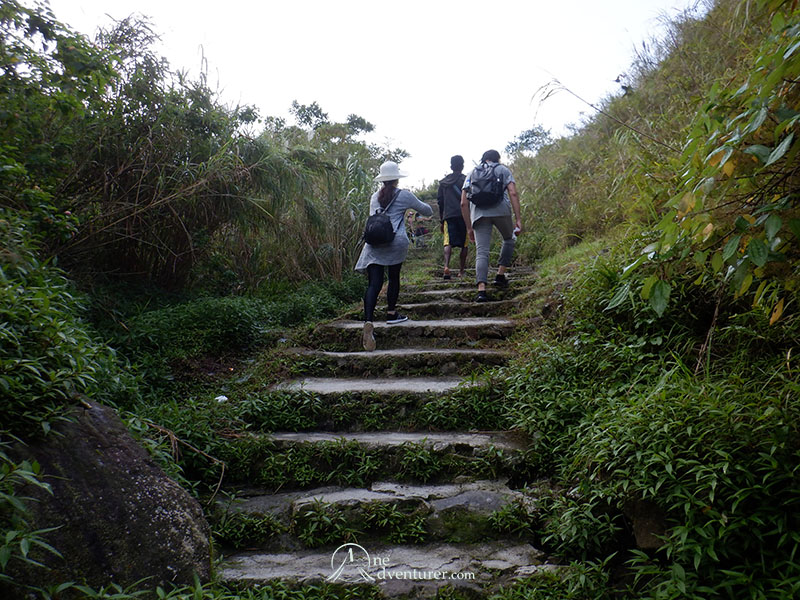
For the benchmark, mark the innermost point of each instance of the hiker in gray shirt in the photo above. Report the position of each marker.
(481, 219)
(390, 256)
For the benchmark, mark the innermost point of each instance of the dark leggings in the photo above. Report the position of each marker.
(374, 285)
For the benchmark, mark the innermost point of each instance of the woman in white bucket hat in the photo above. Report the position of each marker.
(374, 260)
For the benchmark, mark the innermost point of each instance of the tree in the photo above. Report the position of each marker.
(308, 115)
(530, 141)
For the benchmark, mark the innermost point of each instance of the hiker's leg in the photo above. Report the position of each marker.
(483, 240)
(448, 250)
(505, 225)
(463, 260)
(374, 285)
(393, 289)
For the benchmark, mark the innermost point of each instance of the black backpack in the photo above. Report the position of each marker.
(486, 188)
(379, 230)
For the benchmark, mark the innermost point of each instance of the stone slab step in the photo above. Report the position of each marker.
(341, 385)
(283, 504)
(460, 293)
(446, 307)
(303, 460)
(451, 307)
(438, 441)
(477, 405)
(447, 333)
(388, 511)
(397, 571)
(437, 283)
(397, 362)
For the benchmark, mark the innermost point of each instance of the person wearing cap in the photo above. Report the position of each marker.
(481, 221)
(452, 221)
(374, 260)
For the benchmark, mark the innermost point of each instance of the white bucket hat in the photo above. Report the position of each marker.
(390, 171)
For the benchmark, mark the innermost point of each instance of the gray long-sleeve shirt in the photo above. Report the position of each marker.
(395, 252)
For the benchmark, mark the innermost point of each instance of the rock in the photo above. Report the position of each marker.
(649, 524)
(119, 518)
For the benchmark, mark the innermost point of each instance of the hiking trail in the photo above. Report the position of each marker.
(414, 480)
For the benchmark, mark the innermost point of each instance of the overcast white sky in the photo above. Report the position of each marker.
(435, 77)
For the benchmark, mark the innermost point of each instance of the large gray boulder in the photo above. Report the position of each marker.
(119, 517)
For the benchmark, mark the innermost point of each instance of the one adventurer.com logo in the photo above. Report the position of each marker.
(351, 562)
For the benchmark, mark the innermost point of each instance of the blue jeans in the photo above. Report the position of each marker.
(483, 240)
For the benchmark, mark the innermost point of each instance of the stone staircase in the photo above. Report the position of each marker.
(404, 477)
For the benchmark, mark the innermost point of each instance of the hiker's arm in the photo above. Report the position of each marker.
(512, 194)
(422, 208)
(466, 216)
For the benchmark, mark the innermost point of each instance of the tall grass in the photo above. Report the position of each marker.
(623, 162)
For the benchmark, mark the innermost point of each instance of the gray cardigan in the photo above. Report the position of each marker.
(395, 252)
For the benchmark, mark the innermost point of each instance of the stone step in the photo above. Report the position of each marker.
(464, 293)
(516, 280)
(382, 385)
(397, 570)
(301, 460)
(396, 362)
(461, 442)
(439, 333)
(446, 307)
(478, 405)
(387, 512)
(451, 307)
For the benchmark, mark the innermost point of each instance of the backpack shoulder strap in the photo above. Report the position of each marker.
(394, 197)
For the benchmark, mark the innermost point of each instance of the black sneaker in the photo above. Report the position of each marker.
(394, 318)
(501, 281)
(482, 297)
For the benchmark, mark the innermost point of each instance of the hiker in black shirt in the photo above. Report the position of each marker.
(452, 221)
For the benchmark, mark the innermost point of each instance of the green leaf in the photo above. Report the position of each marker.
(746, 283)
(759, 151)
(778, 22)
(794, 227)
(731, 248)
(647, 287)
(761, 116)
(784, 113)
(632, 267)
(778, 153)
(773, 226)
(659, 296)
(741, 223)
(717, 262)
(758, 252)
(620, 296)
(791, 51)
(700, 258)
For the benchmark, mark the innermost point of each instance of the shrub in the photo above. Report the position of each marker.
(49, 359)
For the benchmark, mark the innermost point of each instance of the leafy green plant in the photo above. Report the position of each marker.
(419, 462)
(516, 518)
(734, 216)
(482, 406)
(49, 357)
(396, 525)
(18, 541)
(320, 524)
(583, 527)
(245, 530)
